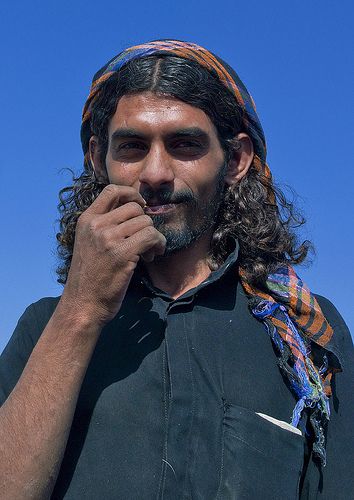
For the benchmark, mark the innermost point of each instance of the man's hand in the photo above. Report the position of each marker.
(111, 236)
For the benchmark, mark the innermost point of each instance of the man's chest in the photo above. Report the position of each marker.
(168, 407)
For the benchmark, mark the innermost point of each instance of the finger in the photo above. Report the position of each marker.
(112, 196)
(120, 215)
(128, 228)
(148, 256)
(143, 241)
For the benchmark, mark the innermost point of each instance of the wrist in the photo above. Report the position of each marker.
(79, 316)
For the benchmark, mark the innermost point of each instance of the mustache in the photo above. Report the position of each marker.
(167, 196)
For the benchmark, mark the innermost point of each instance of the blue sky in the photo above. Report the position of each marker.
(296, 58)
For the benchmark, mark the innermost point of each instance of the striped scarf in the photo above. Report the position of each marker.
(290, 313)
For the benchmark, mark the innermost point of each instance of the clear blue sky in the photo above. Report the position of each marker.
(295, 57)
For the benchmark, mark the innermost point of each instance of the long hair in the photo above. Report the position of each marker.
(253, 211)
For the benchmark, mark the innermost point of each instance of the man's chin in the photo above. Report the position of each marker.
(178, 239)
(181, 229)
(173, 230)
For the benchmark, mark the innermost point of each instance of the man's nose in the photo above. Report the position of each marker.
(157, 168)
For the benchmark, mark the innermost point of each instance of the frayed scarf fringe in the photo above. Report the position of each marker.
(304, 379)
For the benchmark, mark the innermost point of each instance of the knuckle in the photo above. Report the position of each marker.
(83, 220)
(106, 240)
(150, 232)
(147, 220)
(132, 209)
(135, 206)
(110, 189)
(92, 226)
(119, 254)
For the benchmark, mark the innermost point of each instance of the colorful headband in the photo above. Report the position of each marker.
(216, 66)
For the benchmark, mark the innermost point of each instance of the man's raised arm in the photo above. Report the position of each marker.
(35, 420)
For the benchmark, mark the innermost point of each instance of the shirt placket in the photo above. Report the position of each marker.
(180, 401)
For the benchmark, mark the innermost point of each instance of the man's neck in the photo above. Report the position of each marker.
(179, 272)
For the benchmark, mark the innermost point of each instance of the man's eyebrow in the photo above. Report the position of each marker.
(189, 132)
(130, 133)
(126, 133)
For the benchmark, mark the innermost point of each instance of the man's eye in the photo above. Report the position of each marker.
(187, 149)
(129, 145)
(187, 144)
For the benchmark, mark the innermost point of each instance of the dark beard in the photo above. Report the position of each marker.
(199, 217)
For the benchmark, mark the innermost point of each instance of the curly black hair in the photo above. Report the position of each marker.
(254, 211)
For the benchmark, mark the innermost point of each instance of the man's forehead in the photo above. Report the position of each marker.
(147, 110)
(220, 70)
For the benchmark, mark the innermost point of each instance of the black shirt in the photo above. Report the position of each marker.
(168, 407)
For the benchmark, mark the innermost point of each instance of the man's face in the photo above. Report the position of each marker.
(169, 151)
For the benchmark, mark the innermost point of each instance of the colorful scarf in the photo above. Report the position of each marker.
(289, 311)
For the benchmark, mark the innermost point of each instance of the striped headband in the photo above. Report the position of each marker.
(200, 55)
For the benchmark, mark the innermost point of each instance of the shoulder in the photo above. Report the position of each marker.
(342, 339)
(38, 313)
(17, 351)
(333, 316)
(33, 321)
(42, 309)
(330, 311)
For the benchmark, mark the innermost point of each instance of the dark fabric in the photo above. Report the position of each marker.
(167, 408)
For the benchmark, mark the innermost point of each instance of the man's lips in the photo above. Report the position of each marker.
(160, 209)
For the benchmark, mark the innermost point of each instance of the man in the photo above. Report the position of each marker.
(153, 376)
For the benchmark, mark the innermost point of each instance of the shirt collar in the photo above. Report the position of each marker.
(141, 278)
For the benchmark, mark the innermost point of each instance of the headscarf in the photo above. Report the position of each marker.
(289, 311)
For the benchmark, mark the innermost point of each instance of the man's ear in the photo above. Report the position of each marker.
(96, 160)
(241, 159)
